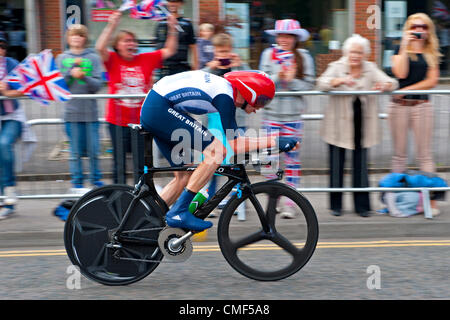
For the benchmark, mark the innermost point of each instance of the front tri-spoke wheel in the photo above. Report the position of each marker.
(278, 236)
(89, 236)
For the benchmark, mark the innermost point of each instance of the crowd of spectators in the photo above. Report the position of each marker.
(350, 121)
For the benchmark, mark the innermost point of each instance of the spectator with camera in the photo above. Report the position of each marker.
(223, 61)
(416, 66)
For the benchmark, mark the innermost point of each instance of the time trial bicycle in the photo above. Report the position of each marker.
(117, 235)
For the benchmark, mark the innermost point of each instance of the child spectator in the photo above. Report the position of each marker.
(224, 60)
(82, 71)
(204, 44)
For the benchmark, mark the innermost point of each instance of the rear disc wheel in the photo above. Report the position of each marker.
(89, 230)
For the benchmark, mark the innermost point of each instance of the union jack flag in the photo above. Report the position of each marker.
(146, 9)
(39, 78)
(440, 11)
(282, 57)
(127, 4)
(147, 5)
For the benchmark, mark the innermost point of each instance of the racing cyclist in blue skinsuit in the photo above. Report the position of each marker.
(166, 110)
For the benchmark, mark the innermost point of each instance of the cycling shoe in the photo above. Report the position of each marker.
(186, 220)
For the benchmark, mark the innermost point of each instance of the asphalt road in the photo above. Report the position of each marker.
(339, 270)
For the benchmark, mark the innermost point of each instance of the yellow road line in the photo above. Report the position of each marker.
(32, 251)
(258, 247)
(329, 246)
(33, 254)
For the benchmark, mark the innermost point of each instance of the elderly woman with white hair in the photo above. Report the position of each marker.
(351, 121)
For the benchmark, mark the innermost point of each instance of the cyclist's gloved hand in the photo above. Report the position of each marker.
(286, 144)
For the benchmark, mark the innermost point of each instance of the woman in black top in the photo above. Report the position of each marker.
(416, 66)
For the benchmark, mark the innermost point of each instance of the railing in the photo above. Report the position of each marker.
(310, 134)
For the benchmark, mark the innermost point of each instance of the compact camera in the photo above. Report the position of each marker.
(418, 35)
(224, 62)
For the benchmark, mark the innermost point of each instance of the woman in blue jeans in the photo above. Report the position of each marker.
(12, 118)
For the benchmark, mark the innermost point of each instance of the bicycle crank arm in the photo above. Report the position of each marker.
(176, 243)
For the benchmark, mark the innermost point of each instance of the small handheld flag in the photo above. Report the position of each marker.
(39, 78)
(282, 57)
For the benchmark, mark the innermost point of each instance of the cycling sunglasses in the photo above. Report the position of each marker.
(260, 102)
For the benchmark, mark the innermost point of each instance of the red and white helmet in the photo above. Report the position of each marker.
(255, 86)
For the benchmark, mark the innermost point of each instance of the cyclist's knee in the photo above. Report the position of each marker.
(182, 177)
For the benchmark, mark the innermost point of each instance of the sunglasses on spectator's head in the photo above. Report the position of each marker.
(417, 26)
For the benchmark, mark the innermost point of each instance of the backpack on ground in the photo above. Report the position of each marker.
(63, 209)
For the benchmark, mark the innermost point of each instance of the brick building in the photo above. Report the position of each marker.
(44, 22)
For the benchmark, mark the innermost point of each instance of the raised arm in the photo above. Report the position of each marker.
(102, 42)
(400, 61)
(171, 44)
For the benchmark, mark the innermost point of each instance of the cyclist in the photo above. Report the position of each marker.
(166, 109)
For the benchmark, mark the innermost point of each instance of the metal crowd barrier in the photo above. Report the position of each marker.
(308, 134)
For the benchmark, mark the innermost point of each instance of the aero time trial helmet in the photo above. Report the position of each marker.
(255, 86)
